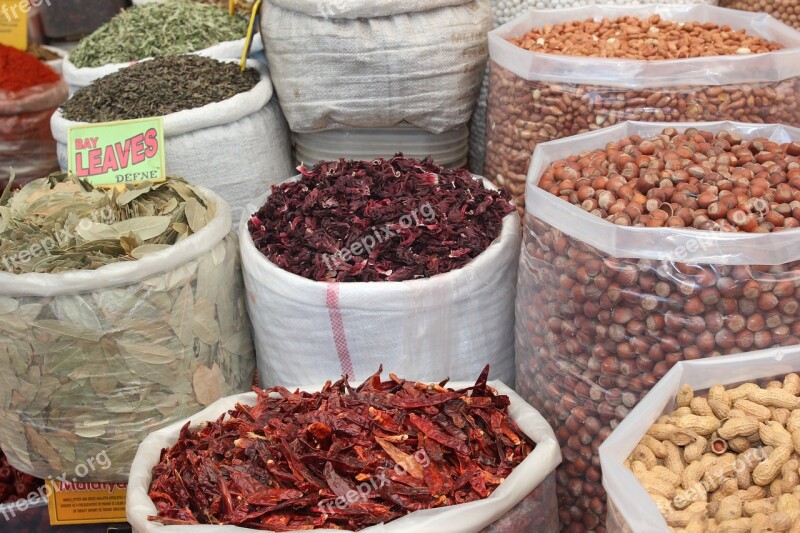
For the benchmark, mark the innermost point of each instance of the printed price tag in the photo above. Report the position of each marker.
(14, 23)
(86, 503)
(115, 153)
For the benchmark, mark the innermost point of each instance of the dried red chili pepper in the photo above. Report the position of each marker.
(340, 458)
(383, 220)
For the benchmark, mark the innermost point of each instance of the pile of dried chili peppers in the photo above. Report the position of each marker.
(341, 458)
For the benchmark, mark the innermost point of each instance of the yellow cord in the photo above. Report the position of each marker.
(249, 38)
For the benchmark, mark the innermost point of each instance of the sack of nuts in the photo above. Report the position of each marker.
(652, 246)
(713, 447)
(559, 73)
(787, 11)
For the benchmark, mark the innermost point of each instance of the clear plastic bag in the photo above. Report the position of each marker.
(524, 498)
(787, 11)
(535, 98)
(604, 311)
(92, 361)
(26, 143)
(634, 510)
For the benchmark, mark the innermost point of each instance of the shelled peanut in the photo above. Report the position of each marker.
(787, 11)
(596, 332)
(525, 112)
(727, 461)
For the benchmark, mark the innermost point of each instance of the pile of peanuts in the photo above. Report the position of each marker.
(594, 333)
(652, 38)
(694, 179)
(787, 11)
(523, 113)
(727, 462)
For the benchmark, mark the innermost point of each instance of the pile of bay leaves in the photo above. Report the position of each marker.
(121, 311)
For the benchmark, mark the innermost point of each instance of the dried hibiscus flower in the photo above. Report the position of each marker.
(384, 220)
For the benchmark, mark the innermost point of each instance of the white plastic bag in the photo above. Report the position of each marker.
(505, 11)
(568, 354)
(237, 147)
(537, 97)
(712, 247)
(375, 64)
(452, 324)
(120, 351)
(464, 518)
(79, 77)
(634, 506)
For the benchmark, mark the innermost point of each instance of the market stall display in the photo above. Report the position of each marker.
(72, 19)
(651, 63)
(120, 312)
(221, 126)
(665, 471)
(30, 92)
(424, 264)
(787, 11)
(411, 455)
(368, 64)
(155, 30)
(505, 11)
(652, 246)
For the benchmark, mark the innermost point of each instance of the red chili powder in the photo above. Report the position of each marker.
(19, 70)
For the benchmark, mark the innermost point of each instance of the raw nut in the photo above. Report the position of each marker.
(702, 425)
(730, 508)
(766, 472)
(764, 506)
(774, 398)
(774, 434)
(685, 396)
(738, 427)
(700, 407)
(759, 412)
(720, 401)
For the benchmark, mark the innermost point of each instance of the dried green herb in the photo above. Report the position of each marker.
(97, 371)
(168, 84)
(158, 29)
(61, 223)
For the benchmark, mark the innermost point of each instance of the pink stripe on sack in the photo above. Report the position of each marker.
(337, 326)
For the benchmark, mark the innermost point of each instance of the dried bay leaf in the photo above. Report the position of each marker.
(145, 228)
(207, 383)
(74, 309)
(43, 448)
(8, 305)
(64, 329)
(144, 249)
(182, 317)
(148, 353)
(206, 328)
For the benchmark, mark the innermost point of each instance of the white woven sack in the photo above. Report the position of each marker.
(375, 64)
(469, 517)
(237, 147)
(77, 78)
(452, 324)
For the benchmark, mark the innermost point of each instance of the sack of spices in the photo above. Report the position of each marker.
(121, 312)
(222, 127)
(644, 246)
(730, 422)
(30, 92)
(375, 64)
(395, 262)
(787, 11)
(287, 461)
(579, 70)
(69, 20)
(155, 30)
